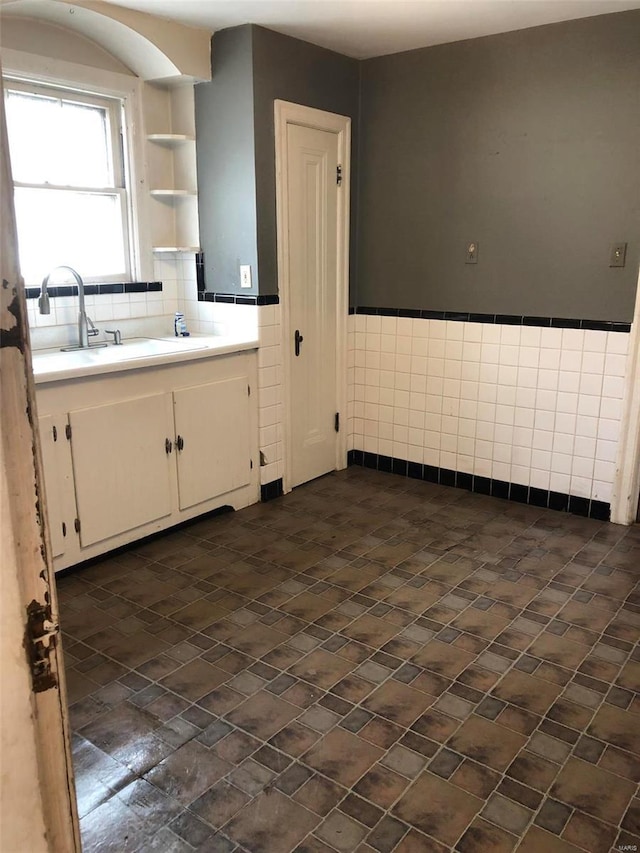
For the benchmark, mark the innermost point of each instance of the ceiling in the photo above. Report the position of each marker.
(365, 28)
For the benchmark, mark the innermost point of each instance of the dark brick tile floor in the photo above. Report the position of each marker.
(369, 664)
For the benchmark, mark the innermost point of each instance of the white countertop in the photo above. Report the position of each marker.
(53, 365)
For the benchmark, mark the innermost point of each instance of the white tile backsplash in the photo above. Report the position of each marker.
(529, 405)
(141, 311)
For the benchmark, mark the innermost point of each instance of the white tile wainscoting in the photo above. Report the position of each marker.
(270, 399)
(528, 405)
(517, 404)
(521, 404)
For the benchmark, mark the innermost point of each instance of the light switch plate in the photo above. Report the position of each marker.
(618, 254)
(472, 253)
(245, 275)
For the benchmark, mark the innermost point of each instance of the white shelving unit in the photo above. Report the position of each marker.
(159, 250)
(170, 139)
(171, 158)
(172, 192)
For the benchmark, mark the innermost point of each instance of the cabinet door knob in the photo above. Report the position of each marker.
(180, 442)
(168, 446)
(297, 341)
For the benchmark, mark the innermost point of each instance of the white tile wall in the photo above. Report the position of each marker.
(215, 318)
(270, 399)
(528, 405)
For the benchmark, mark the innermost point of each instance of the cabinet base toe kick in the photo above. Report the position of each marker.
(148, 545)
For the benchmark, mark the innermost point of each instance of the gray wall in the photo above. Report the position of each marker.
(252, 67)
(527, 142)
(226, 163)
(292, 70)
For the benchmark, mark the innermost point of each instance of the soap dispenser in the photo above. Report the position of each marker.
(180, 325)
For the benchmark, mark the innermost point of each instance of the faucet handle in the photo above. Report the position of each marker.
(92, 331)
(117, 335)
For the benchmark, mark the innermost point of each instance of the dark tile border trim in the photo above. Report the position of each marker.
(271, 490)
(496, 319)
(97, 289)
(238, 299)
(200, 272)
(483, 485)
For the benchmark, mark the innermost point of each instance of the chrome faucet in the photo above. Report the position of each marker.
(86, 328)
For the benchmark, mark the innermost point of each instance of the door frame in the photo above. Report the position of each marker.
(37, 721)
(286, 113)
(626, 483)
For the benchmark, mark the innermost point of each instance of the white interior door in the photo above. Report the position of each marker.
(312, 200)
(37, 806)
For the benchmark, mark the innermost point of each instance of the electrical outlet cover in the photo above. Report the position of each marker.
(245, 275)
(472, 253)
(618, 254)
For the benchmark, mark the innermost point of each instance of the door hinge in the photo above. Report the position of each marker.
(339, 175)
(76, 525)
(54, 430)
(336, 423)
(41, 636)
(67, 431)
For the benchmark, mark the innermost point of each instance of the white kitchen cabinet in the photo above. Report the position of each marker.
(122, 472)
(212, 436)
(58, 476)
(147, 449)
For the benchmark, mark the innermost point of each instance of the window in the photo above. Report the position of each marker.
(69, 170)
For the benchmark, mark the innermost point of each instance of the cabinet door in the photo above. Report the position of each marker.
(213, 428)
(58, 482)
(121, 468)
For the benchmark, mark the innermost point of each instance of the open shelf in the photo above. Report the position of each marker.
(170, 138)
(171, 157)
(172, 192)
(159, 249)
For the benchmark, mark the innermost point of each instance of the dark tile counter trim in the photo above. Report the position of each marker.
(237, 299)
(496, 319)
(483, 485)
(97, 289)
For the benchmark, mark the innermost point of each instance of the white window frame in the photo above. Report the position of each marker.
(126, 91)
(117, 155)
